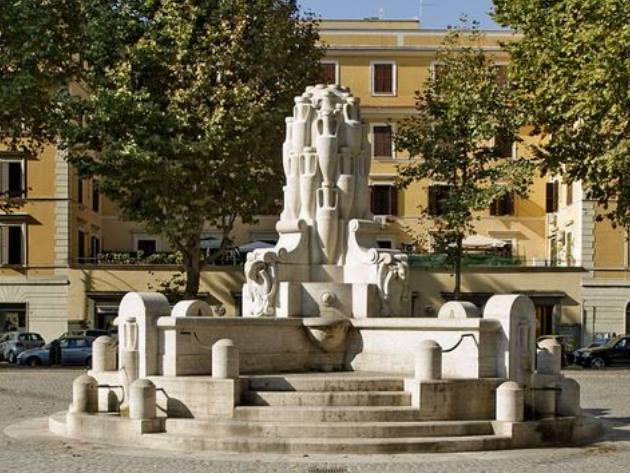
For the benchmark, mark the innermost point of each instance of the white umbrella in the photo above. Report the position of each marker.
(480, 241)
(254, 245)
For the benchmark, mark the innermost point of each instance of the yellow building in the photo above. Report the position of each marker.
(52, 279)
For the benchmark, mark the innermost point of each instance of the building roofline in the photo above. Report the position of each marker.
(419, 31)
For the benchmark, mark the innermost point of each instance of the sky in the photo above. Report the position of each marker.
(435, 13)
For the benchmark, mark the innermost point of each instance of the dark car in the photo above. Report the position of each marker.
(73, 351)
(614, 352)
(13, 343)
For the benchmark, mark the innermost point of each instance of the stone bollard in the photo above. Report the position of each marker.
(225, 360)
(142, 400)
(510, 402)
(428, 361)
(84, 395)
(549, 357)
(131, 360)
(568, 399)
(103, 354)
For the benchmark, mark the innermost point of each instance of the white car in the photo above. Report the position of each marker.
(14, 343)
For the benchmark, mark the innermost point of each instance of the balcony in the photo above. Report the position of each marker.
(160, 259)
(473, 260)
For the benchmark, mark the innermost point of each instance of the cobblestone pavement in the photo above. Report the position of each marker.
(29, 393)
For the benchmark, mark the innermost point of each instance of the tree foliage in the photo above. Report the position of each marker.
(460, 111)
(182, 114)
(572, 71)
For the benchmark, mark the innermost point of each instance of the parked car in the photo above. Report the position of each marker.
(14, 343)
(74, 351)
(614, 352)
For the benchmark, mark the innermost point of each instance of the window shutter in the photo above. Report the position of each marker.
(329, 73)
(494, 207)
(4, 177)
(15, 245)
(549, 197)
(4, 245)
(383, 78)
(15, 179)
(433, 210)
(373, 200)
(382, 136)
(556, 192)
(393, 201)
(509, 204)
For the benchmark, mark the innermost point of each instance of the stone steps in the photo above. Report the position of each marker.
(192, 443)
(327, 398)
(271, 429)
(327, 414)
(304, 382)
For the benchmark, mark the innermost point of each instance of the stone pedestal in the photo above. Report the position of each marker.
(84, 395)
(142, 400)
(225, 360)
(428, 361)
(510, 405)
(549, 357)
(103, 354)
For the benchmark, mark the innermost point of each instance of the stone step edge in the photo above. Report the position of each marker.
(332, 425)
(350, 441)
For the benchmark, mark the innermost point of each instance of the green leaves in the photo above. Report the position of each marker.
(464, 115)
(572, 72)
(184, 118)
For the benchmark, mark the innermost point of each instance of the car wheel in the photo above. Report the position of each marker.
(12, 358)
(88, 362)
(598, 363)
(33, 361)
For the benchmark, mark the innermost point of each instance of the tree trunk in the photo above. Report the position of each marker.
(457, 291)
(192, 264)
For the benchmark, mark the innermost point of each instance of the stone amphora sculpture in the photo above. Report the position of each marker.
(309, 183)
(326, 144)
(328, 222)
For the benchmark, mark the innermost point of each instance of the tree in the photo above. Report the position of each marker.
(464, 115)
(182, 111)
(570, 67)
(38, 46)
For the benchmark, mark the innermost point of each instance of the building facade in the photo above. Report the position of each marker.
(575, 268)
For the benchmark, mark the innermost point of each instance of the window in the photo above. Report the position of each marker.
(385, 244)
(330, 72)
(437, 199)
(12, 178)
(12, 318)
(384, 78)
(504, 205)
(551, 201)
(503, 145)
(147, 246)
(384, 200)
(81, 245)
(569, 190)
(96, 197)
(12, 245)
(80, 191)
(95, 246)
(382, 141)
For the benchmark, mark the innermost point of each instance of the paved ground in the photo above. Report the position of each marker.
(29, 393)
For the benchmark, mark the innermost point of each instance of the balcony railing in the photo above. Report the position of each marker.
(162, 258)
(440, 260)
